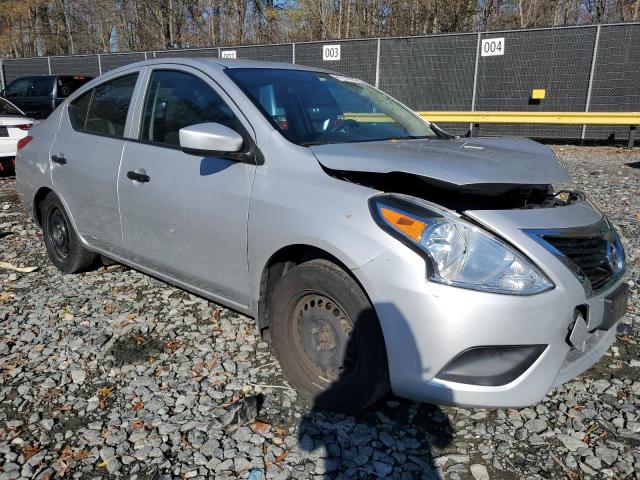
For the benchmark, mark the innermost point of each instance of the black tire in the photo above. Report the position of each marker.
(63, 245)
(327, 337)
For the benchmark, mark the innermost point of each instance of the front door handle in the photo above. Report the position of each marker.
(58, 159)
(138, 177)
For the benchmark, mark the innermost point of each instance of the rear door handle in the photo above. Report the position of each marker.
(59, 159)
(138, 177)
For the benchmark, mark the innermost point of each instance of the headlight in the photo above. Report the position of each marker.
(457, 252)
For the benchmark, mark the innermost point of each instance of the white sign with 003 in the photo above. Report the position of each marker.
(330, 52)
(228, 54)
(492, 47)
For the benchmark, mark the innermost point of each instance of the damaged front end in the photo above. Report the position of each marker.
(458, 174)
(462, 197)
(466, 207)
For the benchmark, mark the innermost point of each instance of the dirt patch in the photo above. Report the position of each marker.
(135, 349)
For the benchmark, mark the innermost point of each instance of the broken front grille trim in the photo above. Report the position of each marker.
(586, 252)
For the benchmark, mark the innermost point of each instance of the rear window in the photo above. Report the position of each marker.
(68, 85)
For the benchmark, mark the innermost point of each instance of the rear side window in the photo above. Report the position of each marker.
(177, 99)
(68, 85)
(103, 110)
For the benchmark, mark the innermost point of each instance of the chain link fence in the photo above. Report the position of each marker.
(585, 68)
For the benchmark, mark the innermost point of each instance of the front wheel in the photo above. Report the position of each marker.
(327, 337)
(63, 245)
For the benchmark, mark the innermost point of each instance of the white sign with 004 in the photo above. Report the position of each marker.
(330, 52)
(228, 54)
(492, 47)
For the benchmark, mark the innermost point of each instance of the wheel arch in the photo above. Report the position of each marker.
(37, 201)
(282, 261)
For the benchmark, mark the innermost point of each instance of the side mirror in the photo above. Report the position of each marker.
(210, 139)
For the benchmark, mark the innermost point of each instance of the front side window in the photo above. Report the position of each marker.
(18, 88)
(311, 108)
(103, 110)
(41, 87)
(177, 99)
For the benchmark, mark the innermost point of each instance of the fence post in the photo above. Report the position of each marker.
(1, 74)
(99, 65)
(49, 64)
(475, 79)
(378, 64)
(293, 53)
(219, 52)
(591, 74)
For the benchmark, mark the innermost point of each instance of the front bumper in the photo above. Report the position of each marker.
(426, 325)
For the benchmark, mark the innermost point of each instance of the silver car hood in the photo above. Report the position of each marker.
(457, 162)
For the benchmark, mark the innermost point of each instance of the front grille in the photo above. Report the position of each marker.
(590, 254)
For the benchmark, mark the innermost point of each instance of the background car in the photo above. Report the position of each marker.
(39, 96)
(14, 125)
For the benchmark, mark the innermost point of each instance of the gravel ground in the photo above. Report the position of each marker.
(114, 374)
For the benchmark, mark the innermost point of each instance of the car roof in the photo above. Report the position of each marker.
(220, 64)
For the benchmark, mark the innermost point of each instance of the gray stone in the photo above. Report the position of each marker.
(78, 376)
(479, 472)
(571, 442)
(607, 455)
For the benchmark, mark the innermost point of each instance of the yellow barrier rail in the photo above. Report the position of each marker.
(625, 119)
(542, 118)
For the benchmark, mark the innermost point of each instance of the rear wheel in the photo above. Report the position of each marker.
(327, 337)
(63, 245)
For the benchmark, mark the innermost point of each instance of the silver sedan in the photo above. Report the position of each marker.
(374, 250)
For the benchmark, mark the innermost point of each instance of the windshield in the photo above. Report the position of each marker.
(7, 108)
(312, 108)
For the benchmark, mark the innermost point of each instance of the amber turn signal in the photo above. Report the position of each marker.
(411, 227)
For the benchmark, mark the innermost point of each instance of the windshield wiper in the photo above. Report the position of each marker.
(313, 143)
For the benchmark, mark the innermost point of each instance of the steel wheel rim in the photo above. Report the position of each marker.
(58, 233)
(324, 336)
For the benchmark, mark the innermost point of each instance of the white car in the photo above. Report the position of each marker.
(14, 126)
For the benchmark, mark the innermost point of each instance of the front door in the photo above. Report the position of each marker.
(183, 215)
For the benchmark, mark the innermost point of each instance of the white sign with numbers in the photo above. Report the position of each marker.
(330, 52)
(228, 54)
(492, 47)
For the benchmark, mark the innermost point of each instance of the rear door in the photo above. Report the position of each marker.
(86, 155)
(189, 220)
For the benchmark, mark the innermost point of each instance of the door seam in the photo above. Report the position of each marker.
(118, 193)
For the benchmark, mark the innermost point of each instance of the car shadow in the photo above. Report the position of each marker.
(633, 164)
(394, 438)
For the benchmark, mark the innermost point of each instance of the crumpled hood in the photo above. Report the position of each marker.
(461, 161)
